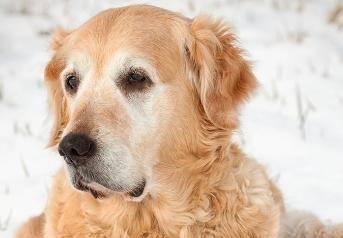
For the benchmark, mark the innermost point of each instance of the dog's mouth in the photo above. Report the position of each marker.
(96, 189)
(99, 191)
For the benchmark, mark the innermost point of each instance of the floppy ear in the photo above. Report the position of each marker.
(57, 100)
(221, 76)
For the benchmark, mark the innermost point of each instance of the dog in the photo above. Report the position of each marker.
(145, 103)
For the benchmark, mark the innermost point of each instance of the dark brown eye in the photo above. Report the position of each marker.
(72, 83)
(136, 80)
(136, 77)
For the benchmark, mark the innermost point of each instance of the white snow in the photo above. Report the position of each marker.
(298, 58)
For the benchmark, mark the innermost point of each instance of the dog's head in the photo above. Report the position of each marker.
(133, 82)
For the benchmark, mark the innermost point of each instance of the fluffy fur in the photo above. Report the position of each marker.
(202, 185)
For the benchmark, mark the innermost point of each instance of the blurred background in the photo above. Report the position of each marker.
(293, 125)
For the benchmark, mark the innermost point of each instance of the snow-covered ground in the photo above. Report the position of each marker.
(294, 125)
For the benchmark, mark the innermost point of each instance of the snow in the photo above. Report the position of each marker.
(293, 125)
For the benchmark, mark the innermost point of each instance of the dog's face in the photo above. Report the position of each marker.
(132, 82)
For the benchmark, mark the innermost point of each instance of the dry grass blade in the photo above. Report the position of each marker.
(24, 167)
(4, 224)
(1, 92)
(336, 16)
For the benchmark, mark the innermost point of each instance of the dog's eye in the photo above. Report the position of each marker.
(136, 80)
(72, 83)
(136, 77)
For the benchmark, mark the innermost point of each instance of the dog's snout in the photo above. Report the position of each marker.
(76, 148)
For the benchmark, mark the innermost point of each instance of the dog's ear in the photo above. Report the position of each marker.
(221, 76)
(57, 100)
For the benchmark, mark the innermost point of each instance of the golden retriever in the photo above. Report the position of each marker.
(145, 103)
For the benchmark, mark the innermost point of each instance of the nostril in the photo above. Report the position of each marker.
(73, 152)
(81, 146)
(60, 151)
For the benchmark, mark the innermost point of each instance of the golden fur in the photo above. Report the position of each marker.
(204, 185)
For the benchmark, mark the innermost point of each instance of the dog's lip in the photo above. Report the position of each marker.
(97, 190)
(138, 190)
(100, 191)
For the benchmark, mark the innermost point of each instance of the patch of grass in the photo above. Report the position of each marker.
(191, 6)
(1, 92)
(341, 100)
(297, 36)
(24, 167)
(24, 130)
(304, 109)
(298, 5)
(7, 190)
(4, 223)
(336, 16)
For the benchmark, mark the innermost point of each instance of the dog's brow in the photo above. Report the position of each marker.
(123, 61)
(79, 61)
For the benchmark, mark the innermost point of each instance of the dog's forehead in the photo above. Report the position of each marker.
(143, 28)
(144, 31)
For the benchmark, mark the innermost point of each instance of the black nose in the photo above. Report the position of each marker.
(76, 148)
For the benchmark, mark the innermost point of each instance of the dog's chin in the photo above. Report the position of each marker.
(99, 191)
